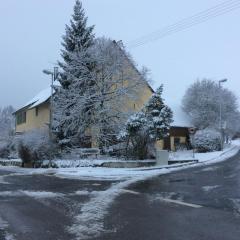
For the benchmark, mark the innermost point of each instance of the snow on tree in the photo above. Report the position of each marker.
(77, 39)
(35, 146)
(72, 111)
(202, 100)
(6, 131)
(98, 79)
(146, 74)
(116, 83)
(159, 116)
(207, 140)
(149, 125)
(6, 122)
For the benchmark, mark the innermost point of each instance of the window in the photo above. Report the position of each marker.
(36, 111)
(21, 118)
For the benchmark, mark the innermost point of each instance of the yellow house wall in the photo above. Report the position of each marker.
(33, 121)
(139, 93)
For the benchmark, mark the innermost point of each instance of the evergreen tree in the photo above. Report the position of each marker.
(76, 41)
(72, 108)
(159, 116)
(149, 125)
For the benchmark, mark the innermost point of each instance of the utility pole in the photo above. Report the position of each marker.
(220, 111)
(54, 75)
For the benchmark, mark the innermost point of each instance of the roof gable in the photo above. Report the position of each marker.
(40, 98)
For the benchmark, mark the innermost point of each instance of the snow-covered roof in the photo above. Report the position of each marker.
(40, 98)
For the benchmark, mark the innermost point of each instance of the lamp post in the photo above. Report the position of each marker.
(54, 75)
(220, 110)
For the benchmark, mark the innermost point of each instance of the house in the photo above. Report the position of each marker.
(178, 138)
(36, 113)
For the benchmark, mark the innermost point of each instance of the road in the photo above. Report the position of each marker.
(197, 203)
(215, 190)
(37, 207)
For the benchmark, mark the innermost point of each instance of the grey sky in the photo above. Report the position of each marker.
(31, 33)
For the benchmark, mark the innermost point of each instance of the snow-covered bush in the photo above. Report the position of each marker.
(35, 146)
(207, 140)
(8, 148)
(4, 150)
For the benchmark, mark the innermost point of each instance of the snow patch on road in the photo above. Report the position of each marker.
(208, 169)
(3, 227)
(236, 205)
(3, 180)
(10, 194)
(9, 236)
(82, 192)
(165, 195)
(33, 194)
(90, 221)
(3, 224)
(209, 188)
(42, 194)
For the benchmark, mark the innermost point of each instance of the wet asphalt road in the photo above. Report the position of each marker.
(146, 213)
(41, 218)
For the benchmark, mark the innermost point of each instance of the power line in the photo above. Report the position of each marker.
(188, 22)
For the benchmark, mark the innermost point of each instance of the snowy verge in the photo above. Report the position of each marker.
(76, 163)
(11, 162)
(119, 174)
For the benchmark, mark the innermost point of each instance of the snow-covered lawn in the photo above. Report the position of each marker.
(202, 157)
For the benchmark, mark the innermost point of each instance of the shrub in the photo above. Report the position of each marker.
(25, 153)
(4, 150)
(207, 140)
(36, 146)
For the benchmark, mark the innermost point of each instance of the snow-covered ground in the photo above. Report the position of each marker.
(89, 222)
(202, 157)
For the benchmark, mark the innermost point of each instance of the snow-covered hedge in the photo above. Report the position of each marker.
(207, 140)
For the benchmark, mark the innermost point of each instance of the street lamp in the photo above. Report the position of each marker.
(54, 75)
(220, 110)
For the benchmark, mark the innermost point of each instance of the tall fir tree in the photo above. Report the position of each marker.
(71, 112)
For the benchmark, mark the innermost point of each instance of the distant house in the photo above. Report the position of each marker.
(34, 114)
(178, 138)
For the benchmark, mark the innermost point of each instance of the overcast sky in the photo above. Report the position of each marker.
(31, 33)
